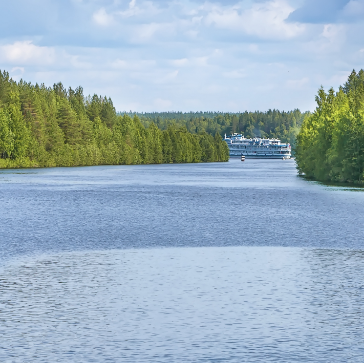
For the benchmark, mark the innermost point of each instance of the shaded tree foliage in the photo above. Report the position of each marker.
(42, 126)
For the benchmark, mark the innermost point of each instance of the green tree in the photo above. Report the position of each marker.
(330, 144)
(6, 136)
(51, 126)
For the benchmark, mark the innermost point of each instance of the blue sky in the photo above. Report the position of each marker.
(160, 55)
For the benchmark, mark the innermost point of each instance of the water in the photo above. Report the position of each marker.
(223, 262)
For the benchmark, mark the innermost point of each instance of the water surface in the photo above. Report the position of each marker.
(220, 262)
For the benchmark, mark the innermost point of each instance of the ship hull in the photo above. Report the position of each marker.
(261, 156)
(257, 148)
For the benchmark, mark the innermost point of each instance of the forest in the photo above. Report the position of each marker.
(272, 123)
(330, 144)
(53, 126)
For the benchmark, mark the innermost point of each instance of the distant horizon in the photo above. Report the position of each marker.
(207, 112)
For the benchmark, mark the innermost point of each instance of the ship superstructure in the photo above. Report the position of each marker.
(257, 147)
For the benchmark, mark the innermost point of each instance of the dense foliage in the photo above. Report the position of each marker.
(41, 126)
(330, 145)
(272, 124)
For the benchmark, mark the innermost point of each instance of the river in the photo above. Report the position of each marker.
(219, 262)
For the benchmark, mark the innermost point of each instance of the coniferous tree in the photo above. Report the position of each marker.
(6, 136)
(42, 126)
(330, 144)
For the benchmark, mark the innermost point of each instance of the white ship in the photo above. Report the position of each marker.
(257, 148)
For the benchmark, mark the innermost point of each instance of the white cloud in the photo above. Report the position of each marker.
(133, 65)
(193, 55)
(25, 52)
(168, 77)
(265, 20)
(116, 15)
(16, 73)
(236, 73)
(179, 62)
(332, 39)
(332, 32)
(17, 70)
(101, 17)
(354, 9)
(146, 33)
(120, 64)
(132, 10)
(201, 61)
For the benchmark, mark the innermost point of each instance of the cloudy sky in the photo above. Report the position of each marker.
(188, 55)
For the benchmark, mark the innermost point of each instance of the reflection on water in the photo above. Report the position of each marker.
(234, 304)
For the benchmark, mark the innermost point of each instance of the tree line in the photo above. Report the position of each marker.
(53, 126)
(269, 124)
(330, 145)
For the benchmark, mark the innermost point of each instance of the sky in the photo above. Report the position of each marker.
(186, 55)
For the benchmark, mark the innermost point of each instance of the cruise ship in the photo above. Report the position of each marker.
(257, 148)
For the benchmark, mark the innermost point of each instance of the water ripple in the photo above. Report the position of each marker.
(184, 305)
